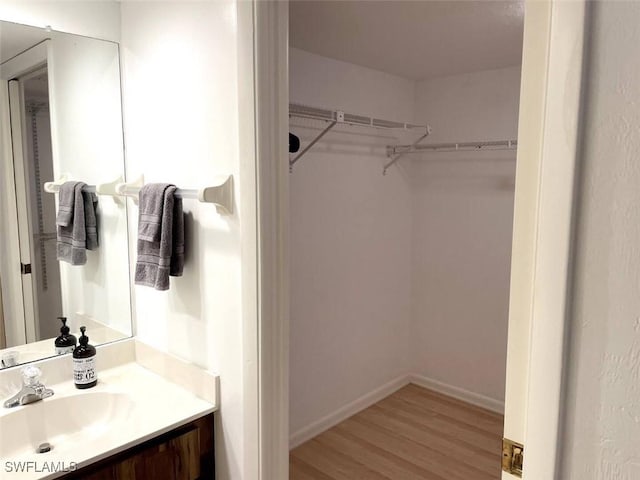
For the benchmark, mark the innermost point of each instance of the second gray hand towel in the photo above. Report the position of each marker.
(160, 236)
(177, 247)
(90, 219)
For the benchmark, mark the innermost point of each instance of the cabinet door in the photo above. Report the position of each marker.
(106, 473)
(176, 459)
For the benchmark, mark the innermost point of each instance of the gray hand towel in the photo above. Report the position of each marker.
(177, 250)
(71, 247)
(90, 219)
(160, 236)
(66, 196)
(77, 223)
(151, 201)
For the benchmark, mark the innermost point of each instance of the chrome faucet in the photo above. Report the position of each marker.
(32, 389)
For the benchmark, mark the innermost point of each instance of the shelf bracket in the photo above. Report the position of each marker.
(340, 117)
(396, 156)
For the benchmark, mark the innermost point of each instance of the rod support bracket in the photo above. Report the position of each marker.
(392, 151)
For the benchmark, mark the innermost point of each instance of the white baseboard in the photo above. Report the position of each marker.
(473, 398)
(365, 401)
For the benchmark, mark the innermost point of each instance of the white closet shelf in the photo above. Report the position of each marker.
(394, 152)
(339, 116)
(334, 117)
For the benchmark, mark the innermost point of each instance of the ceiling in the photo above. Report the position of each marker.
(413, 39)
(16, 38)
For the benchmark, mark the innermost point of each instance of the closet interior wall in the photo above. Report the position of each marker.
(350, 244)
(404, 276)
(462, 220)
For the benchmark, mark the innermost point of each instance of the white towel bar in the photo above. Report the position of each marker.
(220, 194)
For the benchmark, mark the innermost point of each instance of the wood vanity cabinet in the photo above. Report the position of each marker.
(185, 453)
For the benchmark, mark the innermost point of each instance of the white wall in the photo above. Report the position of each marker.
(350, 244)
(462, 227)
(181, 106)
(602, 437)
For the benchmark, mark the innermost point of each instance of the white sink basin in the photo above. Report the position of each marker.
(63, 421)
(128, 406)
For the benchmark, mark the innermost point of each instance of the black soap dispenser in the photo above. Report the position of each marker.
(66, 342)
(84, 363)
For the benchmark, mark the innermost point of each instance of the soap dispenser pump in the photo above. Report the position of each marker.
(84, 363)
(66, 342)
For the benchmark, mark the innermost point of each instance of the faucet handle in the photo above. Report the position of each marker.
(31, 375)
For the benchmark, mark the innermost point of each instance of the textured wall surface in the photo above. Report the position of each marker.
(602, 437)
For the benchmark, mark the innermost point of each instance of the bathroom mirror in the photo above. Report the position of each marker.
(60, 117)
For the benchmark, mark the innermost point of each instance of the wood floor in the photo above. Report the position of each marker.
(414, 434)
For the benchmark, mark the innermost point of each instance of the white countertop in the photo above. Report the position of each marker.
(131, 405)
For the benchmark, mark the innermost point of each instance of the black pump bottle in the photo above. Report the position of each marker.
(66, 342)
(84, 363)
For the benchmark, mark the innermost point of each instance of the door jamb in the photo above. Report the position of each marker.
(552, 276)
(272, 125)
(10, 256)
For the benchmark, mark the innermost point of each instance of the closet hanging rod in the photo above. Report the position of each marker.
(453, 147)
(334, 117)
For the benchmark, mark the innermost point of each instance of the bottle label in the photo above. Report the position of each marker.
(84, 370)
(63, 350)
